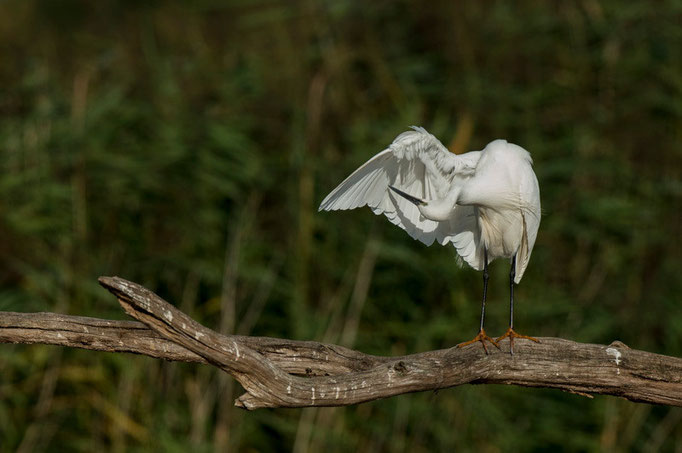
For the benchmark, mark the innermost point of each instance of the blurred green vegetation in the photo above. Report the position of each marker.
(186, 146)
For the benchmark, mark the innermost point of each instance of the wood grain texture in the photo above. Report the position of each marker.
(285, 373)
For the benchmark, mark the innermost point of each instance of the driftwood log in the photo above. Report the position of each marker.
(285, 373)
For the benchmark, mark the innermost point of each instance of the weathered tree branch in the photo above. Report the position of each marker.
(286, 373)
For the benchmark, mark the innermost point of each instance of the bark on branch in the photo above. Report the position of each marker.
(285, 373)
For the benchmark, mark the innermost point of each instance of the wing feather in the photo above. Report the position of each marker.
(343, 197)
(417, 163)
(530, 214)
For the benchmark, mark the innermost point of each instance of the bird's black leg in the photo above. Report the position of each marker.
(510, 332)
(482, 337)
(512, 275)
(485, 285)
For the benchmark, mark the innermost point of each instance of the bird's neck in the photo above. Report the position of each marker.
(440, 209)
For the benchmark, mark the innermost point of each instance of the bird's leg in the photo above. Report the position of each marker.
(482, 337)
(510, 332)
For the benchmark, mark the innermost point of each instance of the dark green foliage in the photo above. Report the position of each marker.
(186, 146)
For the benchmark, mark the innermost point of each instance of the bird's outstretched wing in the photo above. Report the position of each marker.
(418, 164)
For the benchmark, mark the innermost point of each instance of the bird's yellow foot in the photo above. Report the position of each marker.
(512, 334)
(482, 337)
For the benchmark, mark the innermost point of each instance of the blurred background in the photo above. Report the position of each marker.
(187, 145)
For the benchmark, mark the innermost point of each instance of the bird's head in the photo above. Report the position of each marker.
(437, 210)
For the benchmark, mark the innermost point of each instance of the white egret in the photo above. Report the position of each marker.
(485, 203)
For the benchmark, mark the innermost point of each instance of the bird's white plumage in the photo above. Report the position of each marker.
(480, 199)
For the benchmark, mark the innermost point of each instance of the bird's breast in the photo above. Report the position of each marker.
(501, 231)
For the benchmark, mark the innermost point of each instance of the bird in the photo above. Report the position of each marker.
(485, 203)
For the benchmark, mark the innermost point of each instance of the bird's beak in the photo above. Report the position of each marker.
(408, 197)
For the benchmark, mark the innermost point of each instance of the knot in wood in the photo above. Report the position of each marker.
(619, 344)
(400, 368)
